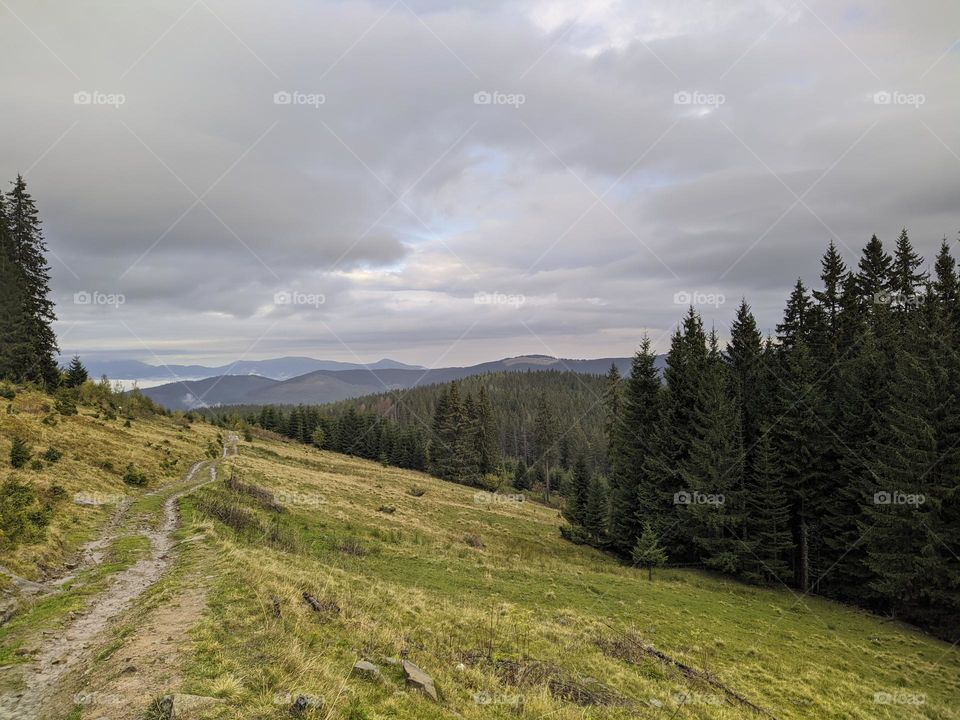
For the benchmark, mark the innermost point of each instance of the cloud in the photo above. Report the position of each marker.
(628, 152)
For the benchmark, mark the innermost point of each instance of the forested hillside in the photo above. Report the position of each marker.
(826, 458)
(398, 426)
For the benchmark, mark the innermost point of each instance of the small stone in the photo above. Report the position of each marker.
(418, 680)
(367, 670)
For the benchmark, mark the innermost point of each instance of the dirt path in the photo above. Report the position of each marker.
(66, 651)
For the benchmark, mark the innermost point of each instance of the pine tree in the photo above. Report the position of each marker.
(634, 495)
(545, 438)
(647, 552)
(714, 469)
(29, 255)
(16, 348)
(874, 273)
(487, 436)
(76, 373)
(575, 506)
(798, 444)
(744, 357)
(596, 510)
(767, 538)
(684, 375)
(905, 277)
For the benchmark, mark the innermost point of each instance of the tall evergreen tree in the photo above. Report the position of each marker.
(546, 435)
(634, 495)
(29, 251)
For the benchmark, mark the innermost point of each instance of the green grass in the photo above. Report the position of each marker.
(409, 582)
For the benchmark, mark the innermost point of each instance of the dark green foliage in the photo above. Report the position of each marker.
(634, 495)
(835, 448)
(19, 453)
(26, 311)
(75, 374)
(134, 477)
(23, 515)
(52, 455)
(646, 552)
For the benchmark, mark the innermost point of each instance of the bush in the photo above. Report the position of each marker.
(417, 491)
(36, 465)
(52, 455)
(127, 423)
(19, 453)
(134, 477)
(7, 392)
(65, 402)
(22, 518)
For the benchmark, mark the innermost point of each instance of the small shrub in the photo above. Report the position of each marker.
(65, 402)
(388, 509)
(22, 518)
(36, 465)
(7, 392)
(127, 423)
(105, 465)
(474, 541)
(417, 491)
(50, 420)
(19, 453)
(52, 455)
(352, 547)
(134, 477)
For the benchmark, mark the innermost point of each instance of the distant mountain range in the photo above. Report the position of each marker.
(330, 385)
(276, 368)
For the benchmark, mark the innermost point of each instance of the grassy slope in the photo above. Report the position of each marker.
(86, 444)
(417, 586)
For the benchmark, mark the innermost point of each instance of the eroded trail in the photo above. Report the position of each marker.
(66, 651)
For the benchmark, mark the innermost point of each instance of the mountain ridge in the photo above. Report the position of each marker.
(324, 385)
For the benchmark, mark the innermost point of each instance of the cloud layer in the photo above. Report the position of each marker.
(449, 182)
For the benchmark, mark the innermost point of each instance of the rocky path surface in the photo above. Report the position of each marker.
(70, 648)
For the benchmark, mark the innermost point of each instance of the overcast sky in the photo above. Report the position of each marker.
(451, 182)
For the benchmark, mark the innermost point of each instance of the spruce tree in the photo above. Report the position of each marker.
(714, 469)
(634, 495)
(30, 256)
(546, 434)
(906, 278)
(874, 273)
(767, 538)
(76, 373)
(575, 506)
(647, 552)
(596, 510)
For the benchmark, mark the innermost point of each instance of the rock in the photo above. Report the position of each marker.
(391, 660)
(367, 670)
(181, 706)
(419, 680)
(304, 703)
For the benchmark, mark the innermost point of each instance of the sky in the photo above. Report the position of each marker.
(446, 183)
